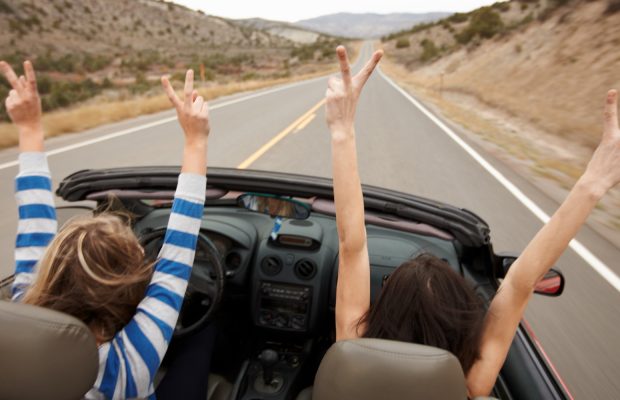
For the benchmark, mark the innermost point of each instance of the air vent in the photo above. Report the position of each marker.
(271, 265)
(305, 269)
(233, 261)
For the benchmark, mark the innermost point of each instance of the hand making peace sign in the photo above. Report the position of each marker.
(24, 106)
(343, 93)
(192, 111)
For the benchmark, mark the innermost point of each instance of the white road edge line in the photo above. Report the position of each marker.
(594, 262)
(162, 121)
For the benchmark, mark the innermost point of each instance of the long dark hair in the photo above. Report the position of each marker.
(424, 301)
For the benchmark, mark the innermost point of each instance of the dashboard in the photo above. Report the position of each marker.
(291, 281)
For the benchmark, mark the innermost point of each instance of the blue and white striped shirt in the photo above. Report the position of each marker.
(127, 364)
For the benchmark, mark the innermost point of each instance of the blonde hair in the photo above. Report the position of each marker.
(95, 270)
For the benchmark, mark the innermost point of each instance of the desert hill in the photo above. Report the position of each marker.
(547, 61)
(116, 26)
(84, 48)
(284, 30)
(367, 25)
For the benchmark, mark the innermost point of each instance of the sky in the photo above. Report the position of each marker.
(294, 10)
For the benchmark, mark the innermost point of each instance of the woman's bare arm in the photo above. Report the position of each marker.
(508, 306)
(353, 290)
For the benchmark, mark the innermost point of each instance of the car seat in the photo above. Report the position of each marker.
(44, 354)
(369, 369)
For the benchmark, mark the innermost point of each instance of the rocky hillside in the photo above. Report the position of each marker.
(83, 48)
(119, 26)
(547, 61)
(367, 25)
(284, 30)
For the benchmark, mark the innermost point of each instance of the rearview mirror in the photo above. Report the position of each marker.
(274, 206)
(552, 284)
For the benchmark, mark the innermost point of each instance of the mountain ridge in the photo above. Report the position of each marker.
(367, 25)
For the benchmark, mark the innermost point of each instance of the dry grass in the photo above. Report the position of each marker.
(87, 116)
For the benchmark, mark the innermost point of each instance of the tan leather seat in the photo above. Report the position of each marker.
(219, 388)
(44, 354)
(369, 369)
(305, 394)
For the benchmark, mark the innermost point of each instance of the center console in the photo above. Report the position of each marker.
(283, 306)
(271, 374)
(289, 285)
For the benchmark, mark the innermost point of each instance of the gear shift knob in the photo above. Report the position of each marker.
(268, 359)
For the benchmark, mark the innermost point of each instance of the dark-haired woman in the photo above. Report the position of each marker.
(424, 300)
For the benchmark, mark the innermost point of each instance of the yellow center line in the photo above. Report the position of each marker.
(251, 159)
(305, 122)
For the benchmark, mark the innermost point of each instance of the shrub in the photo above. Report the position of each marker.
(249, 76)
(141, 84)
(429, 50)
(502, 6)
(57, 94)
(5, 8)
(328, 52)
(527, 19)
(484, 23)
(17, 27)
(4, 92)
(612, 7)
(402, 43)
(415, 29)
(304, 53)
(458, 18)
(94, 63)
(558, 3)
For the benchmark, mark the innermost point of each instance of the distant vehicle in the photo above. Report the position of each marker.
(266, 267)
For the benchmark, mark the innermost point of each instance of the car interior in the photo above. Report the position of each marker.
(275, 317)
(264, 276)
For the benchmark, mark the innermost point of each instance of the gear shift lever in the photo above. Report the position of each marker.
(268, 359)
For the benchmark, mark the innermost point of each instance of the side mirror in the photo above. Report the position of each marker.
(274, 206)
(552, 284)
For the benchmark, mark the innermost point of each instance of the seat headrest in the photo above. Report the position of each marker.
(44, 354)
(370, 369)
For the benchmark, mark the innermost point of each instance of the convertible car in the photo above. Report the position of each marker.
(265, 275)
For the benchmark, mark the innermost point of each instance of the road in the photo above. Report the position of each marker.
(283, 129)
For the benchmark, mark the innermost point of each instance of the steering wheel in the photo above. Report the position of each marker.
(205, 286)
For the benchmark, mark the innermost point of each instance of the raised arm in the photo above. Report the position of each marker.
(353, 290)
(33, 185)
(140, 347)
(508, 306)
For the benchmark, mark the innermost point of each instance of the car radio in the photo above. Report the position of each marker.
(284, 306)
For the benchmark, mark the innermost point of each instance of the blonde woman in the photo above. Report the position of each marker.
(95, 268)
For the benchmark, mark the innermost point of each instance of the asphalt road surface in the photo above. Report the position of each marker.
(283, 129)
